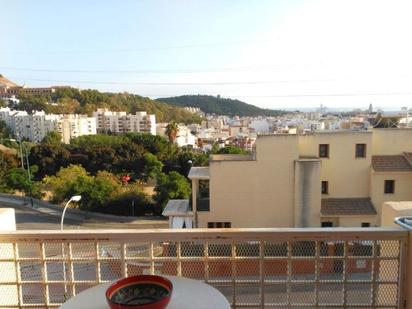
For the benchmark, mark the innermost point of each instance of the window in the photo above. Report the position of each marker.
(366, 224)
(219, 225)
(327, 224)
(323, 150)
(389, 186)
(360, 151)
(325, 187)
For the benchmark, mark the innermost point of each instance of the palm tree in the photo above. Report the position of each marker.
(172, 130)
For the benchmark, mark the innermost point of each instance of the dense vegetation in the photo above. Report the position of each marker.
(111, 172)
(66, 101)
(220, 106)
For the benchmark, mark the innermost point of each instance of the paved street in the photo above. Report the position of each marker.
(29, 219)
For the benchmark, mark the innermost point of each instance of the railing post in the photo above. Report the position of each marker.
(10, 250)
(408, 279)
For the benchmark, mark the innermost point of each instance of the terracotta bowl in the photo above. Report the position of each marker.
(140, 292)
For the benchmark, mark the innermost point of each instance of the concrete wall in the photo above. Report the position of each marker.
(307, 193)
(391, 141)
(392, 210)
(347, 176)
(272, 190)
(403, 188)
(350, 221)
(353, 221)
(255, 193)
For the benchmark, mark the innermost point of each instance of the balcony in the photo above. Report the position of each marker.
(253, 268)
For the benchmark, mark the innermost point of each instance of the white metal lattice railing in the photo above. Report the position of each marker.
(253, 268)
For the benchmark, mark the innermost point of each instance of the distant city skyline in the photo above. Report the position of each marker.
(273, 54)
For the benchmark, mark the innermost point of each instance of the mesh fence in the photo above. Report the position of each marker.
(251, 273)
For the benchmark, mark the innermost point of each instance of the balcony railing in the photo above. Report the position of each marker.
(253, 268)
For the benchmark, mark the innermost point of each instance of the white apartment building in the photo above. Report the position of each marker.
(185, 137)
(40, 124)
(5, 115)
(72, 126)
(121, 122)
(35, 127)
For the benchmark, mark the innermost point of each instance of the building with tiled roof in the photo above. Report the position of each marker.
(335, 207)
(395, 163)
(339, 178)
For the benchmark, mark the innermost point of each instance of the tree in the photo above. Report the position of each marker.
(17, 179)
(49, 157)
(52, 138)
(152, 166)
(221, 106)
(172, 130)
(231, 150)
(30, 103)
(171, 186)
(5, 132)
(66, 182)
(95, 191)
(8, 161)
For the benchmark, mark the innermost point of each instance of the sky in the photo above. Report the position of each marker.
(273, 54)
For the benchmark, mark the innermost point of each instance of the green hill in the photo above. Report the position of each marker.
(70, 100)
(220, 106)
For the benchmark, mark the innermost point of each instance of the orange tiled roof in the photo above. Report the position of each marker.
(347, 207)
(397, 163)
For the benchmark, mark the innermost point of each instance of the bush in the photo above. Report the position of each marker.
(130, 204)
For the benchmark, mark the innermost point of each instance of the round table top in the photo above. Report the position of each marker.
(187, 293)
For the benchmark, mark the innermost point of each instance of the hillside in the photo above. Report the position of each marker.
(70, 100)
(220, 106)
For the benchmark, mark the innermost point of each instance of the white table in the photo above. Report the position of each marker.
(187, 294)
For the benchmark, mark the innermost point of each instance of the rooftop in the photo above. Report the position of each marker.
(199, 173)
(397, 163)
(176, 208)
(347, 207)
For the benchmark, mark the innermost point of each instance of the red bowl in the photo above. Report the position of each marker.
(140, 292)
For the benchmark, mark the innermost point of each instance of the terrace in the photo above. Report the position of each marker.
(253, 268)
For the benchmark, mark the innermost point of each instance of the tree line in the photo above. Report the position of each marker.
(74, 101)
(111, 172)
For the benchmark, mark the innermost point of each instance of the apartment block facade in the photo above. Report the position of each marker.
(73, 125)
(35, 127)
(121, 122)
(338, 178)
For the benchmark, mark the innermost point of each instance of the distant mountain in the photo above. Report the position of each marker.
(220, 106)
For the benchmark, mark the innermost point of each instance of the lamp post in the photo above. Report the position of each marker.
(75, 198)
(19, 141)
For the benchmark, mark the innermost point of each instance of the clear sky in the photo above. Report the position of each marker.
(274, 54)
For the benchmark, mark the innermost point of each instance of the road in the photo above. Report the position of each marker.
(30, 219)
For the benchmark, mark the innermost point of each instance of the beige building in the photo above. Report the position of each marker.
(338, 178)
(74, 125)
(121, 122)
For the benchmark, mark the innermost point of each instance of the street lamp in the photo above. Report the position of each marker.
(75, 198)
(19, 141)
